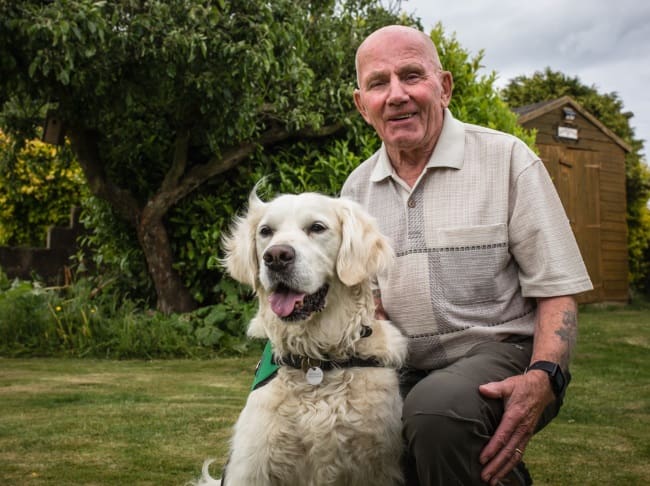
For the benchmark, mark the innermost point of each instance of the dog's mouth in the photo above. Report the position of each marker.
(292, 305)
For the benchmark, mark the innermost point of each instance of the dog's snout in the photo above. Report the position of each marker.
(279, 257)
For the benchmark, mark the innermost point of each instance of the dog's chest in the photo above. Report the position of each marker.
(345, 431)
(353, 404)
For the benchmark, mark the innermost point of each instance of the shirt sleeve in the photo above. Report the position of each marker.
(541, 239)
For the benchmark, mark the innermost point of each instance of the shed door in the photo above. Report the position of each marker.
(578, 184)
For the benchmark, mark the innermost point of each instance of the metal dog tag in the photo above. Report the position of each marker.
(314, 376)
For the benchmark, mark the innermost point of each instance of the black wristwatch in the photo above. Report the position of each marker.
(555, 375)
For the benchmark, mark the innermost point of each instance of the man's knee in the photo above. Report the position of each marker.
(449, 395)
(438, 431)
(447, 414)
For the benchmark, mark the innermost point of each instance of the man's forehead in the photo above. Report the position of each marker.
(394, 53)
(378, 67)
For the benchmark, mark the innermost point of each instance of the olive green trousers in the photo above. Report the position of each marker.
(447, 422)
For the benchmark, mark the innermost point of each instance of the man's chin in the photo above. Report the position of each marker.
(404, 142)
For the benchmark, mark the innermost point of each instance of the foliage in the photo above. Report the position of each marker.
(475, 98)
(85, 321)
(608, 108)
(39, 184)
(112, 247)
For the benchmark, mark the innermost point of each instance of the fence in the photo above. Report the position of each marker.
(50, 264)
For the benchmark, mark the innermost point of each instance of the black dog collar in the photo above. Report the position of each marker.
(304, 363)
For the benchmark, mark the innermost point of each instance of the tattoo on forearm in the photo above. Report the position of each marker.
(568, 333)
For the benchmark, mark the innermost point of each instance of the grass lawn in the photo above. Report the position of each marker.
(74, 422)
(90, 422)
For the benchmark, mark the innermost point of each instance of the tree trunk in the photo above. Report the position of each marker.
(172, 295)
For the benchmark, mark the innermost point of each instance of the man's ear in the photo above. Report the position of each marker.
(360, 106)
(447, 82)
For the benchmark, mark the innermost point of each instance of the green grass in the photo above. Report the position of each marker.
(74, 422)
(602, 435)
(93, 422)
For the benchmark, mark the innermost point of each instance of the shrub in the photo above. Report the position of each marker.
(39, 184)
(83, 321)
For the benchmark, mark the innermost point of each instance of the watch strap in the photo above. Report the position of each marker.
(555, 375)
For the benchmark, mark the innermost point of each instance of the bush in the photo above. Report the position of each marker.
(39, 184)
(84, 321)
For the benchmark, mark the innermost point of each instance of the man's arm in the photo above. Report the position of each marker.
(526, 396)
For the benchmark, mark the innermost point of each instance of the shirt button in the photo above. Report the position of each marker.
(411, 203)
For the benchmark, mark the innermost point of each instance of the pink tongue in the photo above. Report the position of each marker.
(283, 303)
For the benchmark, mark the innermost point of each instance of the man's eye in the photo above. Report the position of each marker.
(265, 231)
(317, 227)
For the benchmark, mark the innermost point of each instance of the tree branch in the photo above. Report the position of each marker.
(215, 166)
(85, 145)
(179, 163)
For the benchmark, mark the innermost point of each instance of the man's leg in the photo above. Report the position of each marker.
(446, 420)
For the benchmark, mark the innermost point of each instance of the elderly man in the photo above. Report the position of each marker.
(486, 269)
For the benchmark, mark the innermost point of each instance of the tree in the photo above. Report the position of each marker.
(475, 99)
(159, 97)
(608, 108)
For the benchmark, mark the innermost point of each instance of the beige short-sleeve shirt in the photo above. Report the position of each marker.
(477, 238)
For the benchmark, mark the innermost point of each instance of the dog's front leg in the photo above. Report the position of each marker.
(250, 454)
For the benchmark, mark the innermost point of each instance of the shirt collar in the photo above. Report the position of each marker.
(448, 152)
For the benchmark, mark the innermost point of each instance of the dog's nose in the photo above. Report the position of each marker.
(279, 257)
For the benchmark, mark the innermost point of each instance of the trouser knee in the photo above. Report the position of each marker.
(437, 431)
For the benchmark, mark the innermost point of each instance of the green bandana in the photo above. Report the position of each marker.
(266, 369)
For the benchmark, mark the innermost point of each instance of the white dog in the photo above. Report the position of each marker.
(332, 415)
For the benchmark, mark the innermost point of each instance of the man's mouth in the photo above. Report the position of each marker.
(292, 305)
(405, 116)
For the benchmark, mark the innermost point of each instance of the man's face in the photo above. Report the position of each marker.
(402, 90)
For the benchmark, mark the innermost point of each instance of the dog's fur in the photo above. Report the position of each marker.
(345, 431)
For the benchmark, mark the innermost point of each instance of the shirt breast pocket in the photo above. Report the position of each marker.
(471, 261)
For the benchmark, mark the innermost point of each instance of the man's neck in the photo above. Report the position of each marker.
(409, 164)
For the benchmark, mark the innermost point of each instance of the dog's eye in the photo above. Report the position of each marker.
(265, 231)
(317, 227)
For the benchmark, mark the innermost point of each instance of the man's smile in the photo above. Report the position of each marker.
(404, 116)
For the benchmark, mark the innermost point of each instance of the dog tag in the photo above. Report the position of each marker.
(314, 376)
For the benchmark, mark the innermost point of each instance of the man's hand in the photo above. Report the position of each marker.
(525, 398)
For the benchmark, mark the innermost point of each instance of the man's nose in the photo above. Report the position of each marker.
(397, 94)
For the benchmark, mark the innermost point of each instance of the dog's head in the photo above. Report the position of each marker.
(293, 248)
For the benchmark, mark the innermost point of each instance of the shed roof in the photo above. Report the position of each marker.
(530, 112)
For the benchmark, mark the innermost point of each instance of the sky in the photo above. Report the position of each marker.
(605, 43)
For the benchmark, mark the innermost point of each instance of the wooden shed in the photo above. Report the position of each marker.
(586, 161)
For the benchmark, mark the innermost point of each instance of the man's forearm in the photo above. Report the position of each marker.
(556, 330)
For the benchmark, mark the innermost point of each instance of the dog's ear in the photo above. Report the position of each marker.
(364, 251)
(239, 243)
